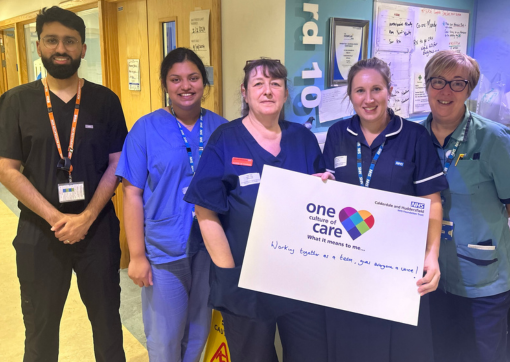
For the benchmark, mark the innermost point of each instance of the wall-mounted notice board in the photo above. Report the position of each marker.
(406, 36)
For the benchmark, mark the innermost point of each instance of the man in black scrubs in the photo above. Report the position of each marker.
(67, 133)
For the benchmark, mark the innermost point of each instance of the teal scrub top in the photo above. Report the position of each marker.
(475, 261)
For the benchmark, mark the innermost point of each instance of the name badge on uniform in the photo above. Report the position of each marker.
(242, 161)
(249, 179)
(72, 191)
(340, 161)
(447, 230)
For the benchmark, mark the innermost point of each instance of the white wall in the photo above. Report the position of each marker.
(12, 8)
(250, 29)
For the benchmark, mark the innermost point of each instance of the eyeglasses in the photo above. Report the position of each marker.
(51, 42)
(456, 85)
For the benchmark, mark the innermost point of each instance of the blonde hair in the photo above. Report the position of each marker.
(447, 60)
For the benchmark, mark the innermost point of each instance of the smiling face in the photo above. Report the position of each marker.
(185, 85)
(264, 95)
(369, 96)
(446, 105)
(63, 61)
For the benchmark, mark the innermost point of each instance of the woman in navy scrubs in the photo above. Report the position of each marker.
(378, 149)
(157, 163)
(469, 309)
(224, 190)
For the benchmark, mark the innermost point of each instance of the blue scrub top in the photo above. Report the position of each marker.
(154, 159)
(475, 203)
(217, 187)
(407, 165)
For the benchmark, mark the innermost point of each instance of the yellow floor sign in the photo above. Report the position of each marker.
(217, 349)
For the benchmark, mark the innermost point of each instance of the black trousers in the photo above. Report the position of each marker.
(302, 332)
(45, 267)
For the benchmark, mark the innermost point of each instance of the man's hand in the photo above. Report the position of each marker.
(72, 228)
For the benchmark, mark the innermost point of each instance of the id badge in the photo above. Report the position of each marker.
(72, 191)
(447, 230)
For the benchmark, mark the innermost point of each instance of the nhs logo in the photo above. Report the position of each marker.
(399, 163)
(417, 205)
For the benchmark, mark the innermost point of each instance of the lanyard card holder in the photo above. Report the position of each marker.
(71, 191)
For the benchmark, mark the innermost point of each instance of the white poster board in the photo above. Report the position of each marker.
(301, 245)
(418, 32)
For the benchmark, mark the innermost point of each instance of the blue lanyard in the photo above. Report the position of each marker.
(188, 148)
(372, 164)
(450, 158)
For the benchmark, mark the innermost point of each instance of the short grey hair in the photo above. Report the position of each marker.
(447, 60)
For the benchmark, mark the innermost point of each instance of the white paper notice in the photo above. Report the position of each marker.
(199, 34)
(354, 248)
(400, 98)
(134, 74)
(395, 28)
(334, 104)
(398, 63)
(347, 47)
(421, 100)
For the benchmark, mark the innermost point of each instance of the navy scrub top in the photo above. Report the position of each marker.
(408, 164)
(216, 186)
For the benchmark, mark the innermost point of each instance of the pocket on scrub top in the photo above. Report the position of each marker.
(465, 177)
(165, 235)
(477, 267)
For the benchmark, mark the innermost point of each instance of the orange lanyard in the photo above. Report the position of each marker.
(54, 126)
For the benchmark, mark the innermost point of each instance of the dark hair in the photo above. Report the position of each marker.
(372, 63)
(64, 17)
(271, 68)
(179, 55)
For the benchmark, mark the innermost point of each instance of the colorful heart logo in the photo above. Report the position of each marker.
(356, 222)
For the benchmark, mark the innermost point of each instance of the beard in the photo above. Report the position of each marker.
(61, 71)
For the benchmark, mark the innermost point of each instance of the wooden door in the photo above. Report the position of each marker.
(133, 31)
(11, 62)
(159, 11)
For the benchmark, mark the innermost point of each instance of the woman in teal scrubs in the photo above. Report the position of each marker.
(469, 309)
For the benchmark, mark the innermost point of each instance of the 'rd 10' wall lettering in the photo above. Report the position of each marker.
(315, 72)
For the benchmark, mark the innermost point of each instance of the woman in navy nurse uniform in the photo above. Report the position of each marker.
(224, 190)
(157, 163)
(402, 159)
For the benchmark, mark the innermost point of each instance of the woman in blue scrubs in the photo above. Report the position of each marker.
(469, 309)
(379, 149)
(224, 190)
(159, 158)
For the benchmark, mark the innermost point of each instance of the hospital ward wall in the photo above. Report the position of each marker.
(299, 57)
(492, 38)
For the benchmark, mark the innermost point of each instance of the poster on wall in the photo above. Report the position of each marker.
(199, 34)
(348, 44)
(337, 245)
(134, 74)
